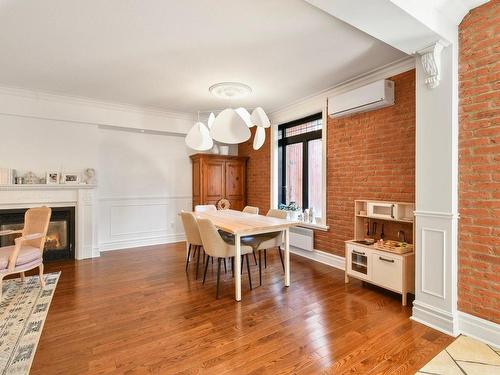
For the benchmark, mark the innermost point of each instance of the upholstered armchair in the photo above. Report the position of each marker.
(27, 252)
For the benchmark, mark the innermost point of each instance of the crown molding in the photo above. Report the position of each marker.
(76, 100)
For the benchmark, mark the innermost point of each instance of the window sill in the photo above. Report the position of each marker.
(315, 226)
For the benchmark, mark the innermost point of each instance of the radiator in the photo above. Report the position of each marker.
(302, 238)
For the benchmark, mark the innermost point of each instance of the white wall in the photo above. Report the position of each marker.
(144, 179)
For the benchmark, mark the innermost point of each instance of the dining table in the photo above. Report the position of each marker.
(242, 224)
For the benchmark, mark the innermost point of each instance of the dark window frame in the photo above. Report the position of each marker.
(303, 138)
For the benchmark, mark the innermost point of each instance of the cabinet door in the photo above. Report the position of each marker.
(235, 182)
(196, 180)
(358, 262)
(213, 180)
(387, 271)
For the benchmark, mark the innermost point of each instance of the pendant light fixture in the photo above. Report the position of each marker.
(230, 126)
(198, 138)
(259, 138)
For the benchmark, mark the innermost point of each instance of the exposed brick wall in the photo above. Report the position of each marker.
(258, 172)
(479, 163)
(370, 156)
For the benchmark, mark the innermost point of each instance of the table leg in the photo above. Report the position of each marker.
(237, 267)
(287, 257)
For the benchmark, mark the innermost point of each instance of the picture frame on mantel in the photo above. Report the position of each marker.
(52, 178)
(70, 178)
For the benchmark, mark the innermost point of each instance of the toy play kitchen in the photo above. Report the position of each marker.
(373, 256)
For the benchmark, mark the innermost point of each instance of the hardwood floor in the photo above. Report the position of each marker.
(137, 312)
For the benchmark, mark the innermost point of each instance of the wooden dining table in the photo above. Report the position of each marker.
(244, 224)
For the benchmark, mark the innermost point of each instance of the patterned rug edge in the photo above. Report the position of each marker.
(11, 370)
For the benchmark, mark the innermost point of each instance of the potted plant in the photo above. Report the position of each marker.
(292, 209)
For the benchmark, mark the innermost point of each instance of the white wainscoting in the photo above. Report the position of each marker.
(435, 269)
(127, 222)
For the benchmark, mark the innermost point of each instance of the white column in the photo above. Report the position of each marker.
(436, 194)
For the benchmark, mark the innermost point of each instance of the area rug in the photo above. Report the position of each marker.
(466, 356)
(23, 311)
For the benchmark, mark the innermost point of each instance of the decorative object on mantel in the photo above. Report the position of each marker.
(31, 179)
(90, 178)
(224, 150)
(6, 176)
(23, 312)
(230, 126)
(52, 178)
(70, 178)
(215, 149)
(223, 204)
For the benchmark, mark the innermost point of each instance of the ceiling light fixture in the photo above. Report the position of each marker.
(230, 126)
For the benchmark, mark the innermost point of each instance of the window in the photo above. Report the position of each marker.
(299, 163)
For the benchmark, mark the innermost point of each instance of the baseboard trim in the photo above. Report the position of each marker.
(435, 318)
(479, 328)
(321, 257)
(127, 244)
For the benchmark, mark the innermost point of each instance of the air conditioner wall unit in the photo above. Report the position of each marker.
(373, 96)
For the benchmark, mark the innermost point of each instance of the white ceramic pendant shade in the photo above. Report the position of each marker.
(245, 116)
(211, 120)
(259, 137)
(229, 127)
(198, 138)
(259, 118)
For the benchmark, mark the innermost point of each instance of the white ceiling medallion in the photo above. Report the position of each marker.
(259, 118)
(229, 127)
(198, 138)
(259, 138)
(230, 90)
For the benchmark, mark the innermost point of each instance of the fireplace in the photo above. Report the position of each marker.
(60, 241)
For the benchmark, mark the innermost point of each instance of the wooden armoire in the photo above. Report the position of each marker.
(219, 176)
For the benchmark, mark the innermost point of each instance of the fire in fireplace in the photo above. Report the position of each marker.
(60, 241)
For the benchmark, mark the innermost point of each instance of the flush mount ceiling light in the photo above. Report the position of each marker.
(230, 126)
(230, 90)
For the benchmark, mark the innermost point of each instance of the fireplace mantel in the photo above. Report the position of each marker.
(81, 196)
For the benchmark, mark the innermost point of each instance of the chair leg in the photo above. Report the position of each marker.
(281, 258)
(260, 269)
(23, 276)
(206, 268)
(218, 278)
(40, 272)
(232, 266)
(225, 268)
(187, 259)
(265, 258)
(248, 270)
(197, 261)
(254, 257)
(242, 262)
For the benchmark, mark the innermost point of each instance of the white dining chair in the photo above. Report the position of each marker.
(251, 210)
(205, 208)
(216, 247)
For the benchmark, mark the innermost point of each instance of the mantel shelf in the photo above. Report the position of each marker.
(46, 187)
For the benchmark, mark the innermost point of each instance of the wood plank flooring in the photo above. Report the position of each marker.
(137, 312)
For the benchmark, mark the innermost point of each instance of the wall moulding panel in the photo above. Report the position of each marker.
(127, 222)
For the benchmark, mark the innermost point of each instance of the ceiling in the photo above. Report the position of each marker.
(166, 53)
